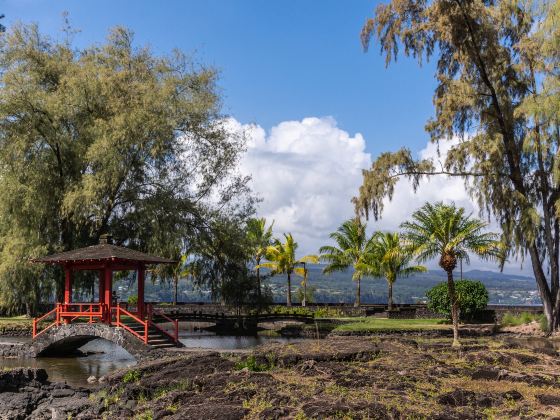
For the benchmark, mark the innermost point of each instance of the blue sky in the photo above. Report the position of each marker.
(279, 60)
(321, 107)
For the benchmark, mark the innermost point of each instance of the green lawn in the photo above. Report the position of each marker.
(17, 321)
(371, 324)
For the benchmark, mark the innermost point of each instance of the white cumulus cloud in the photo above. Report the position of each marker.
(307, 172)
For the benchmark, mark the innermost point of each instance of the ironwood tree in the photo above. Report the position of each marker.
(498, 100)
(110, 138)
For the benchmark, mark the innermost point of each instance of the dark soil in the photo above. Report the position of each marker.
(350, 377)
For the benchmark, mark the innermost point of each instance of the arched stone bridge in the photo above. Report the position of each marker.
(67, 338)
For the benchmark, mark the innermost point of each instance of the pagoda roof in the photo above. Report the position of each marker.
(103, 252)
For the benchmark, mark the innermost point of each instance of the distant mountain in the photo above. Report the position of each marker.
(481, 274)
(339, 288)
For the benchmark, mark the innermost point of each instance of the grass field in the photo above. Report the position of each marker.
(371, 324)
(18, 321)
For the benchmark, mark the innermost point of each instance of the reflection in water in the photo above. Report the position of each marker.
(75, 370)
(227, 342)
(535, 343)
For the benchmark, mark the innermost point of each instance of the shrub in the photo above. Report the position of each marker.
(472, 297)
(132, 300)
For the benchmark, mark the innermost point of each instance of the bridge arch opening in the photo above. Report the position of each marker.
(87, 346)
(66, 340)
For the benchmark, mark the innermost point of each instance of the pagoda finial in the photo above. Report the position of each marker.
(105, 238)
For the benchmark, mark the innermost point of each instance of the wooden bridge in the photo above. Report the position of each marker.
(156, 330)
(216, 317)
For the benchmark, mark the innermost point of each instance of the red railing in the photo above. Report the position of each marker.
(120, 312)
(82, 310)
(68, 312)
(175, 335)
(41, 318)
(98, 312)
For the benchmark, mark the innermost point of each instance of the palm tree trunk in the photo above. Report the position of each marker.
(259, 282)
(390, 303)
(454, 308)
(289, 294)
(358, 293)
(304, 301)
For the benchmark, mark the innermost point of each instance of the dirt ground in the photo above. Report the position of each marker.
(347, 377)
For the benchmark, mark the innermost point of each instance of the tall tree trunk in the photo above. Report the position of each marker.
(390, 303)
(454, 308)
(358, 293)
(304, 301)
(551, 304)
(289, 294)
(258, 282)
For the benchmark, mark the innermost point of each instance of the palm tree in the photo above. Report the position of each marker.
(302, 272)
(445, 232)
(351, 249)
(282, 260)
(390, 259)
(260, 238)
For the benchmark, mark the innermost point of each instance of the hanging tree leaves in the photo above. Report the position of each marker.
(111, 138)
(498, 97)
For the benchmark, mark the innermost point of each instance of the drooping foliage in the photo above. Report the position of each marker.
(498, 100)
(111, 138)
(221, 256)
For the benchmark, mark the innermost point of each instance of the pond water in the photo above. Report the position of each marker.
(227, 342)
(107, 356)
(75, 370)
(535, 343)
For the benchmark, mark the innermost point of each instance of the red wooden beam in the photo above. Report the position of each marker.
(108, 292)
(67, 285)
(101, 286)
(141, 280)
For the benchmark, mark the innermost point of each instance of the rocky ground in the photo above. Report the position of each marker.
(345, 377)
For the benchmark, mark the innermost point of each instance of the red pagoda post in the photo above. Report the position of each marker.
(108, 288)
(141, 281)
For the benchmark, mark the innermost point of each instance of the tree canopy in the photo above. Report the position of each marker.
(111, 138)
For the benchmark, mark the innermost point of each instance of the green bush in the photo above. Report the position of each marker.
(472, 297)
(132, 300)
